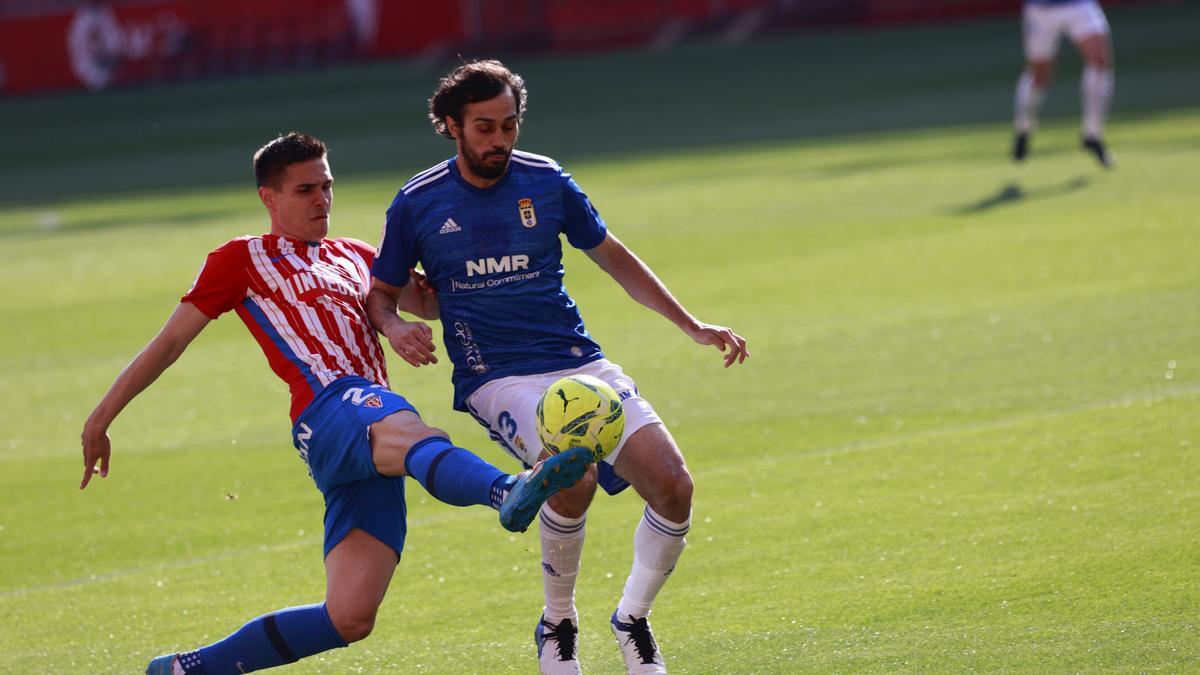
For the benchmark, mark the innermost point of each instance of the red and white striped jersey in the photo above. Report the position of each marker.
(304, 302)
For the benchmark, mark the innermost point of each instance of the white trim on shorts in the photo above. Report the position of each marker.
(1045, 24)
(507, 407)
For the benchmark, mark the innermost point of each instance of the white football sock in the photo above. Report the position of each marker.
(1027, 102)
(562, 545)
(1096, 89)
(657, 545)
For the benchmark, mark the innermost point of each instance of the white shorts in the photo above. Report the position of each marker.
(1045, 24)
(508, 407)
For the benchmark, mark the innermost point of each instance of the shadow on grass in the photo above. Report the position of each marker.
(1012, 193)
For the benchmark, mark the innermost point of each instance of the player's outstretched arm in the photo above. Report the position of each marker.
(640, 282)
(412, 340)
(184, 324)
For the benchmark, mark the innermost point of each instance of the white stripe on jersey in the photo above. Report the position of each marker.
(426, 173)
(309, 354)
(282, 327)
(436, 167)
(370, 362)
(374, 357)
(279, 320)
(426, 181)
(347, 336)
(530, 159)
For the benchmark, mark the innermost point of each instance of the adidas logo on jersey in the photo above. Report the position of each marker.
(449, 226)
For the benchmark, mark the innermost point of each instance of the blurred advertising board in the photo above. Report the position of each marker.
(89, 44)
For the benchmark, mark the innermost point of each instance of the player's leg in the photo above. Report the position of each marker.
(270, 640)
(1031, 91)
(365, 528)
(507, 407)
(1090, 32)
(653, 464)
(364, 535)
(561, 529)
(402, 445)
(358, 571)
(274, 639)
(356, 430)
(1041, 30)
(562, 520)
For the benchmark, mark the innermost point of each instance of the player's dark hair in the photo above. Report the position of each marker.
(472, 82)
(275, 157)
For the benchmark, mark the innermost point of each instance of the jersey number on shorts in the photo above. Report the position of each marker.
(302, 438)
(507, 424)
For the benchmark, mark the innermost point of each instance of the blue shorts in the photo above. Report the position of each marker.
(332, 437)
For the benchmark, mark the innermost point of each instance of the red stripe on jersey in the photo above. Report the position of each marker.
(285, 309)
(369, 349)
(305, 306)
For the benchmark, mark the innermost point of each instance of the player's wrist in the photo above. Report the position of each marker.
(398, 328)
(94, 428)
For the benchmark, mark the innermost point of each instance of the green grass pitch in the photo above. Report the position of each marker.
(966, 440)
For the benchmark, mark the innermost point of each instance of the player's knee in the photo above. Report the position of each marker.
(671, 499)
(575, 500)
(353, 625)
(1040, 72)
(679, 493)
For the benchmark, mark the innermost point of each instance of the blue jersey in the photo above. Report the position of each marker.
(495, 259)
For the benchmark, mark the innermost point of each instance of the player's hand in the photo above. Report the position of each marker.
(428, 296)
(722, 338)
(413, 341)
(96, 448)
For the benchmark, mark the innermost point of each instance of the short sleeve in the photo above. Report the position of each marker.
(223, 280)
(397, 248)
(583, 225)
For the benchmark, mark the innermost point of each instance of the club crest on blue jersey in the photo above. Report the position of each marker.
(528, 217)
(373, 402)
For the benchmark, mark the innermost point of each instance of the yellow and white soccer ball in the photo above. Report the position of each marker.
(580, 411)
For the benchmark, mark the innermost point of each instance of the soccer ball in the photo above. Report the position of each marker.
(580, 411)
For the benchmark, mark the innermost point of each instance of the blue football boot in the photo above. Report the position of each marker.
(530, 489)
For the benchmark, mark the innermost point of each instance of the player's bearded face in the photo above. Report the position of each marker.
(488, 164)
(487, 135)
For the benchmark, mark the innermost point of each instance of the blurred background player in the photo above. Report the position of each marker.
(303, 297)
(486, 225)
(1045, 22)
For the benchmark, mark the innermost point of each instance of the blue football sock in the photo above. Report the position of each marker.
(454, 475)
(268, 641)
